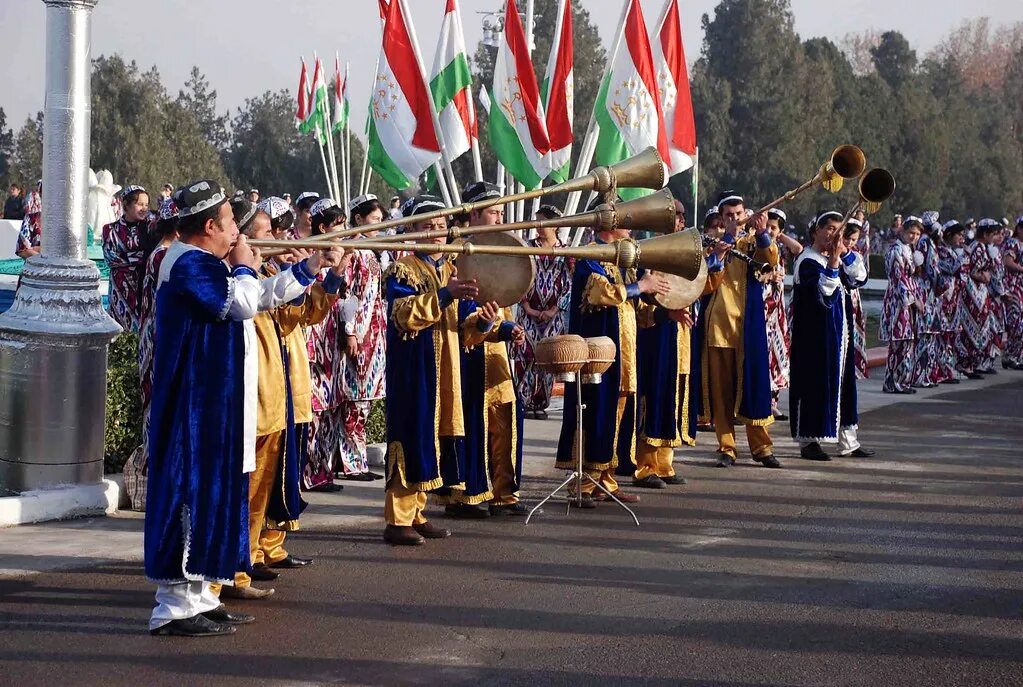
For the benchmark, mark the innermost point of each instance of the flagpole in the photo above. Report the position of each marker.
(323, 159)
(328, 134)
(433, 113)
(474, 142)
(590, 141)
(696, 185)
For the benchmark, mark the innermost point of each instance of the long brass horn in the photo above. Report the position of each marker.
(876, 186)
(645, 170)
(846, 162)
(679, 254)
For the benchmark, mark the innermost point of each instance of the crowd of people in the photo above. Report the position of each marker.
(258, 372)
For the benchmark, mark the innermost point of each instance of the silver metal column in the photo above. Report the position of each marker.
(53, 340)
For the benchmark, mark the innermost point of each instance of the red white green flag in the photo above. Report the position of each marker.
(557, 94)
(402, 139)
(628, 104)
(341, 104)
(673, 86)
(302, 113)
(451, 85)
(516, 124)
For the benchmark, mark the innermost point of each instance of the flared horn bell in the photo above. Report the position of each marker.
(655, 212)
(680, 254)
(646, 170)
(876, 186)
(846, 162)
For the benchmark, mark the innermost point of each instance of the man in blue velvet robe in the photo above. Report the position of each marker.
(603, 303)
(202, 427)
(822, 394)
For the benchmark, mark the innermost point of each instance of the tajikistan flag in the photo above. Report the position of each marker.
(303, 111)
(402, 140)
(516, 125)
(320, 118)
(557, 94)
(673, 84)
(628, 105)
(451, 85)
(341, 105)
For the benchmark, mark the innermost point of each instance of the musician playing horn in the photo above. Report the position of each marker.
(425, 427)
(736, 383)
(663, 357)
(604, 301)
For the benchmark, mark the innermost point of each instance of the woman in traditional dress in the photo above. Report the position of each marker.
(929, 285)
(778, 340)
(126, 244)
(997, 288)
(899, 310)
(542, 315)
(950, 264)
(30, 236)
(859, 342)
(303, 227)
(976, 337)
(326, 366)
(365, 335)
(1012, 257)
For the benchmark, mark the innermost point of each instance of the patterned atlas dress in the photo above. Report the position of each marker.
(897, 326)
(997, 290)
(1013, 353)
(778, 338)
(124, 251)
(325, 345)
(31, 233)
(552, 287)
(363, 378)
(975, 336)
(135, 467)
(950, 263)
(929, 285)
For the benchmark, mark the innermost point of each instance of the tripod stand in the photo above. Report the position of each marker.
(579, 474)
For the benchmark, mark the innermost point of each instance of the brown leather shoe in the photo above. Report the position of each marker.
(398, 535)
(430, 531)
(247, 593)
(620, 495)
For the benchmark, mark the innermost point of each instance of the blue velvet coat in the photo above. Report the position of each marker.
(197, 508)
(663, 397)
(822, 392)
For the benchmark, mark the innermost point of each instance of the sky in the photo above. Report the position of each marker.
(246, 47)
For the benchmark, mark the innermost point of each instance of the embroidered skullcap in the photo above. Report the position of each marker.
(199, 196)
(987, 223)
(418, 205)
(929, 217)
(952, 227)
(1019, 220)
(480, 190)
(359, 200)
(320, 206)
(853, 222)
(253, 190)
(168, 209)
(244, 210)
(274, 206)
(306, 199)
(729, 198)
(912, 219)
(711, 212)
(777, 213)
(550, 210)
(826, 216)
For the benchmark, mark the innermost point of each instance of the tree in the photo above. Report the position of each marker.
(894, 60)
(27, 158)
(201, 102)
(6, 148)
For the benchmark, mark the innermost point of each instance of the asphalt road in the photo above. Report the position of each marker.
(904, 569)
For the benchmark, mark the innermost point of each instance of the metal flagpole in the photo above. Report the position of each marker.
(323, 159)
(696, 186)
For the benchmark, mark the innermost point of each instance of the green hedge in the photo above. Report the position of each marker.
(123, 431)
(376, 424)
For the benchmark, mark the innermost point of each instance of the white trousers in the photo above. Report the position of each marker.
(847, 441)
(179, 601)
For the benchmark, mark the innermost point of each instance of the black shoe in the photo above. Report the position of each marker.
(674, 479)
(221, 615)
(499, 509)
(540, 414)
(329, 488)
(951, 381)
(427, 530)
(813, 452)
(650, 482)
(360, 477)
(196, 626)
(768, 461)
(261, 573)
(725, 461)
(292, 562)
(862, 453)
(974, 375)
(464, 511)
(586, 503)
(781, 417)
(988, 371)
